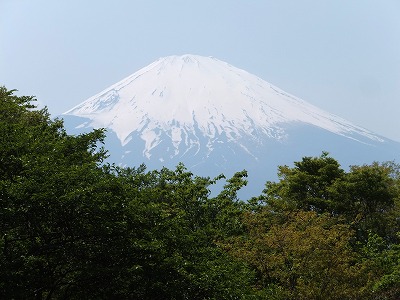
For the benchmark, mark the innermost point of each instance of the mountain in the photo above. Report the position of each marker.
(216, 119)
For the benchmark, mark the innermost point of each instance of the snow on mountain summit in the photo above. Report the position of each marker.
(189, 95)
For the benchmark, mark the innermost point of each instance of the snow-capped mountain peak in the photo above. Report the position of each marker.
(187, 98)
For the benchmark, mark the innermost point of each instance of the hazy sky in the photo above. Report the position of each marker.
(343, 56)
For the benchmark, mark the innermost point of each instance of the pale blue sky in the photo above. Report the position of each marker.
(343, 56)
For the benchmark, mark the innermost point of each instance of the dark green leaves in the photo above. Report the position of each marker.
(74, 227)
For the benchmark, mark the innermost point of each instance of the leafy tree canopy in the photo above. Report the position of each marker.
(75, 227)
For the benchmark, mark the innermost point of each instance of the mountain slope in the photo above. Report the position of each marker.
(215, 117)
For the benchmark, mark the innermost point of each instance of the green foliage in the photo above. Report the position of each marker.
(367, 196)
(74, 227)
(302, 256)
(383, 262)
(307, 185)
(364, 200)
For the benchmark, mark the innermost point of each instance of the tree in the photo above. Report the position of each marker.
(73, 227)
(367, 196)
(364, 201)
(382, 261)
(50, 212)
(186, 262)
(370, 196)
(304, 256)
(307, 185)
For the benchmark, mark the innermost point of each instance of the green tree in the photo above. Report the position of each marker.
(53, 216)
(370, 194)
(303, 256)
(73, 227)
(382, 261)
(307, 185)
(365, 200)
(367, 196)
(186, 262)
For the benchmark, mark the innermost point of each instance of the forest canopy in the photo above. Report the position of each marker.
(73, 226)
